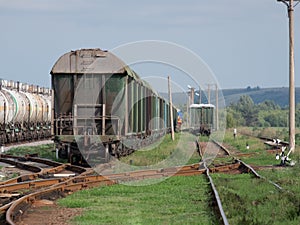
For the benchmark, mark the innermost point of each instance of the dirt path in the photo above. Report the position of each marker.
(47, 212)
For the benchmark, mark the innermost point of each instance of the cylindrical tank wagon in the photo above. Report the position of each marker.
(98, 97)
(25, 112)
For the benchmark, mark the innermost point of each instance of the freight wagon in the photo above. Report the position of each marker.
(202, 118)
(102, 108)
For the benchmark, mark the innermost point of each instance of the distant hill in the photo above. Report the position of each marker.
(279, 95)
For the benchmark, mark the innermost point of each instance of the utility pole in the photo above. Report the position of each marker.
(171, 109)
(200, 95)
(189, 103)
(208, 93)
(187, 109)
(192, 101)
(290, 7)
(217, 107)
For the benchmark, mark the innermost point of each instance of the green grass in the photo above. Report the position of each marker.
(256, 146)
(43, 151)
(177, 200)
(286, 177)
(183, 149)
(248, 200)
(262, 158)
(222, 161)
(241, 141)
(184, 200)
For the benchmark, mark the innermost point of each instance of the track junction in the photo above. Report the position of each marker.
(49, 180)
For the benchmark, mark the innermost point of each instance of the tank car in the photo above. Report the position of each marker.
(25, 112)
(202, 118)
(102, 108)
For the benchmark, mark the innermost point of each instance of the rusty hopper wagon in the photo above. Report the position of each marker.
(102, 108)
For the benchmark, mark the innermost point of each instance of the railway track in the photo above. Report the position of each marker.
(51, 189)
(36, 174)
(31, 168)
(271, 141)
(42, 185)
(245, 168)
(248, 167)
(214, 191)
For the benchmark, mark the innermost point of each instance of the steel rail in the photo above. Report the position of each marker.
(17, 208)
(38, 172)
(258, 175)
(222, 147)
(21, 165)
(212, 185)
(216, 196)
(241, 163)
(248, 167)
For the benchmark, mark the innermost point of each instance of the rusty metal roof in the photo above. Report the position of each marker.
(94, 61)
(88, 61)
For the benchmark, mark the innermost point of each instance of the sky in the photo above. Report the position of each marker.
(243, 43)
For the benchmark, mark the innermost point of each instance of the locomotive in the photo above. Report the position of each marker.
(25, 112)
(202, 118)
(102, 108)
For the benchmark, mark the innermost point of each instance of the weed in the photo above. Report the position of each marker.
(177, 200)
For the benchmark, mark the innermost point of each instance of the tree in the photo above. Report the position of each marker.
(234, 118)
(268, 105)
(265, 114)
(248, 110)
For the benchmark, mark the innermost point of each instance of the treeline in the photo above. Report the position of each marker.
(265, 114)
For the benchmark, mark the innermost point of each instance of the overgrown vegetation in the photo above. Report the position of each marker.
(43, 151)
(249, 200)
(286, 177)
(257, 148)
(166, 148)
(186, 200)
(177, 200)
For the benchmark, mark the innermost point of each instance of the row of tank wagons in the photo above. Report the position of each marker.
(202, 118)
(110, 101)
(25, 112)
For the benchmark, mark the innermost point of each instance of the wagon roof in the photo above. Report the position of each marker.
(88, 61)
(94, 61)
(202, 106)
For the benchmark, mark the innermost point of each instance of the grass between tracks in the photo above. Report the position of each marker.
(257, 149)
(256, 146)
(248, 200)
(43, 151)
(288, 178)
(182, 149)
(184, 200)
(177, 200)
